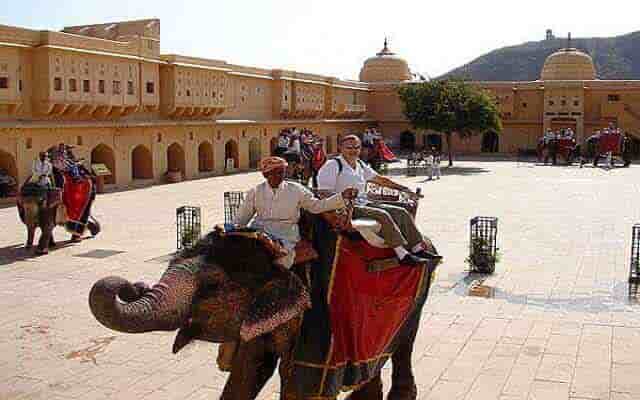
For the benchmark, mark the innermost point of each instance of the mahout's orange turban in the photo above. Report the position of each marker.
(271, 163)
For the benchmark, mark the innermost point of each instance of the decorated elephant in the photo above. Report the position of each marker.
(46, 207)
(599, 145)
(227, 288)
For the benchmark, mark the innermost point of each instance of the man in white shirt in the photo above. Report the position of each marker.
(397, 226)
(277, 203)
(42, 170)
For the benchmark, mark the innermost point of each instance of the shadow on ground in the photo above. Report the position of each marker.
(445, 171)
(17, 252)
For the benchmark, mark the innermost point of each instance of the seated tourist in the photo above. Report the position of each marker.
(276, 205)
(42, 170)
(283, 144)
(398, 228)
(6, 183)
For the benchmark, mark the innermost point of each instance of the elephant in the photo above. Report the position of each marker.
(227, 288)
(599, 145)
(42, 207)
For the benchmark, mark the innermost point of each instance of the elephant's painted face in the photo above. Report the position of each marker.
(224, 288)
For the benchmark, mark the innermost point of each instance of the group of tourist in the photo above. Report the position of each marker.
(293, 141)
(563, 133)
(431, 158)
(47, 169)
(610, 130)
(370, 136)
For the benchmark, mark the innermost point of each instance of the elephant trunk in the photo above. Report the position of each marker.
(124, 307)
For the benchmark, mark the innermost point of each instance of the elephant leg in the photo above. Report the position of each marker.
(371, 390)
(45, 237)
(31, 232)
(403, 383)
(248, 372)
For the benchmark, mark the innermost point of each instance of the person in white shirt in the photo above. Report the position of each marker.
(397, 226)
(276, 205)
(42, 170)
(367, 138)
(429, 162)
(435, 166)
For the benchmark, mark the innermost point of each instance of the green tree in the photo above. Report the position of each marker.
(448, 106)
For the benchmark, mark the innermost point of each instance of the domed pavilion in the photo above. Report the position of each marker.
(568, 64)
(386, 66)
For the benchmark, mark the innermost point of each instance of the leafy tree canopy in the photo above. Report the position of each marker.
(450, 105)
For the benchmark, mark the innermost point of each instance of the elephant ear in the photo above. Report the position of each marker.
(279, 301)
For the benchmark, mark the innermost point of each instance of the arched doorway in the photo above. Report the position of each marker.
(408, 140)
(231, 152)
(103, 154)
(273, 144)
(433, 140)
(175, 159)
(254, 153)
(490, 142)
(141, 163)
(205, 157)
(8, 165)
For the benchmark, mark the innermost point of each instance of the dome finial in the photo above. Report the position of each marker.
(385, 50)
(569, 41)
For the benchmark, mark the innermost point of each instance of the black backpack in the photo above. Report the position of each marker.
(340, 167)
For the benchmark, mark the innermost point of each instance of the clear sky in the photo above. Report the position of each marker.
(334, 37)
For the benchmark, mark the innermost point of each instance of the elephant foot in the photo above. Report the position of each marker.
(42, 252)
(28, 246)
(403, 392)
(371, 390)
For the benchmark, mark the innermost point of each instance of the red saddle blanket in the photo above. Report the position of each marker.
(362, 302)
(76, 197)
(358, 313)
(610, 142)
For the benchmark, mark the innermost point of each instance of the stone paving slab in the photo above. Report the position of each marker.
(557, 323)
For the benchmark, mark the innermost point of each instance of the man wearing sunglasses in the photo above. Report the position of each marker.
(397, 226)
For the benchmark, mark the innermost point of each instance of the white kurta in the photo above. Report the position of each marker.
(41, 172)
(277, 211)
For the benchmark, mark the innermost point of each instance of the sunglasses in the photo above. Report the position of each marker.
(352, 147)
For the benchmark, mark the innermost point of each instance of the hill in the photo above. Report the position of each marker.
(615, 58)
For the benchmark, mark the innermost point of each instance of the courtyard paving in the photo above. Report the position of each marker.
(555, 321)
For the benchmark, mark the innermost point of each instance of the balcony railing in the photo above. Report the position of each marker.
(349, 109)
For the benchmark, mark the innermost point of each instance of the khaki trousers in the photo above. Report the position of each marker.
(398, 227)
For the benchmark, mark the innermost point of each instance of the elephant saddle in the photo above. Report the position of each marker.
(77, 196)
(359, 316)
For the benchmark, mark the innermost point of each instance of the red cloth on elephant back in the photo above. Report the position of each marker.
(368, 308)
(610, 142)
(76, 197)
(384, 152)
(358, 317)
(319, 158)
